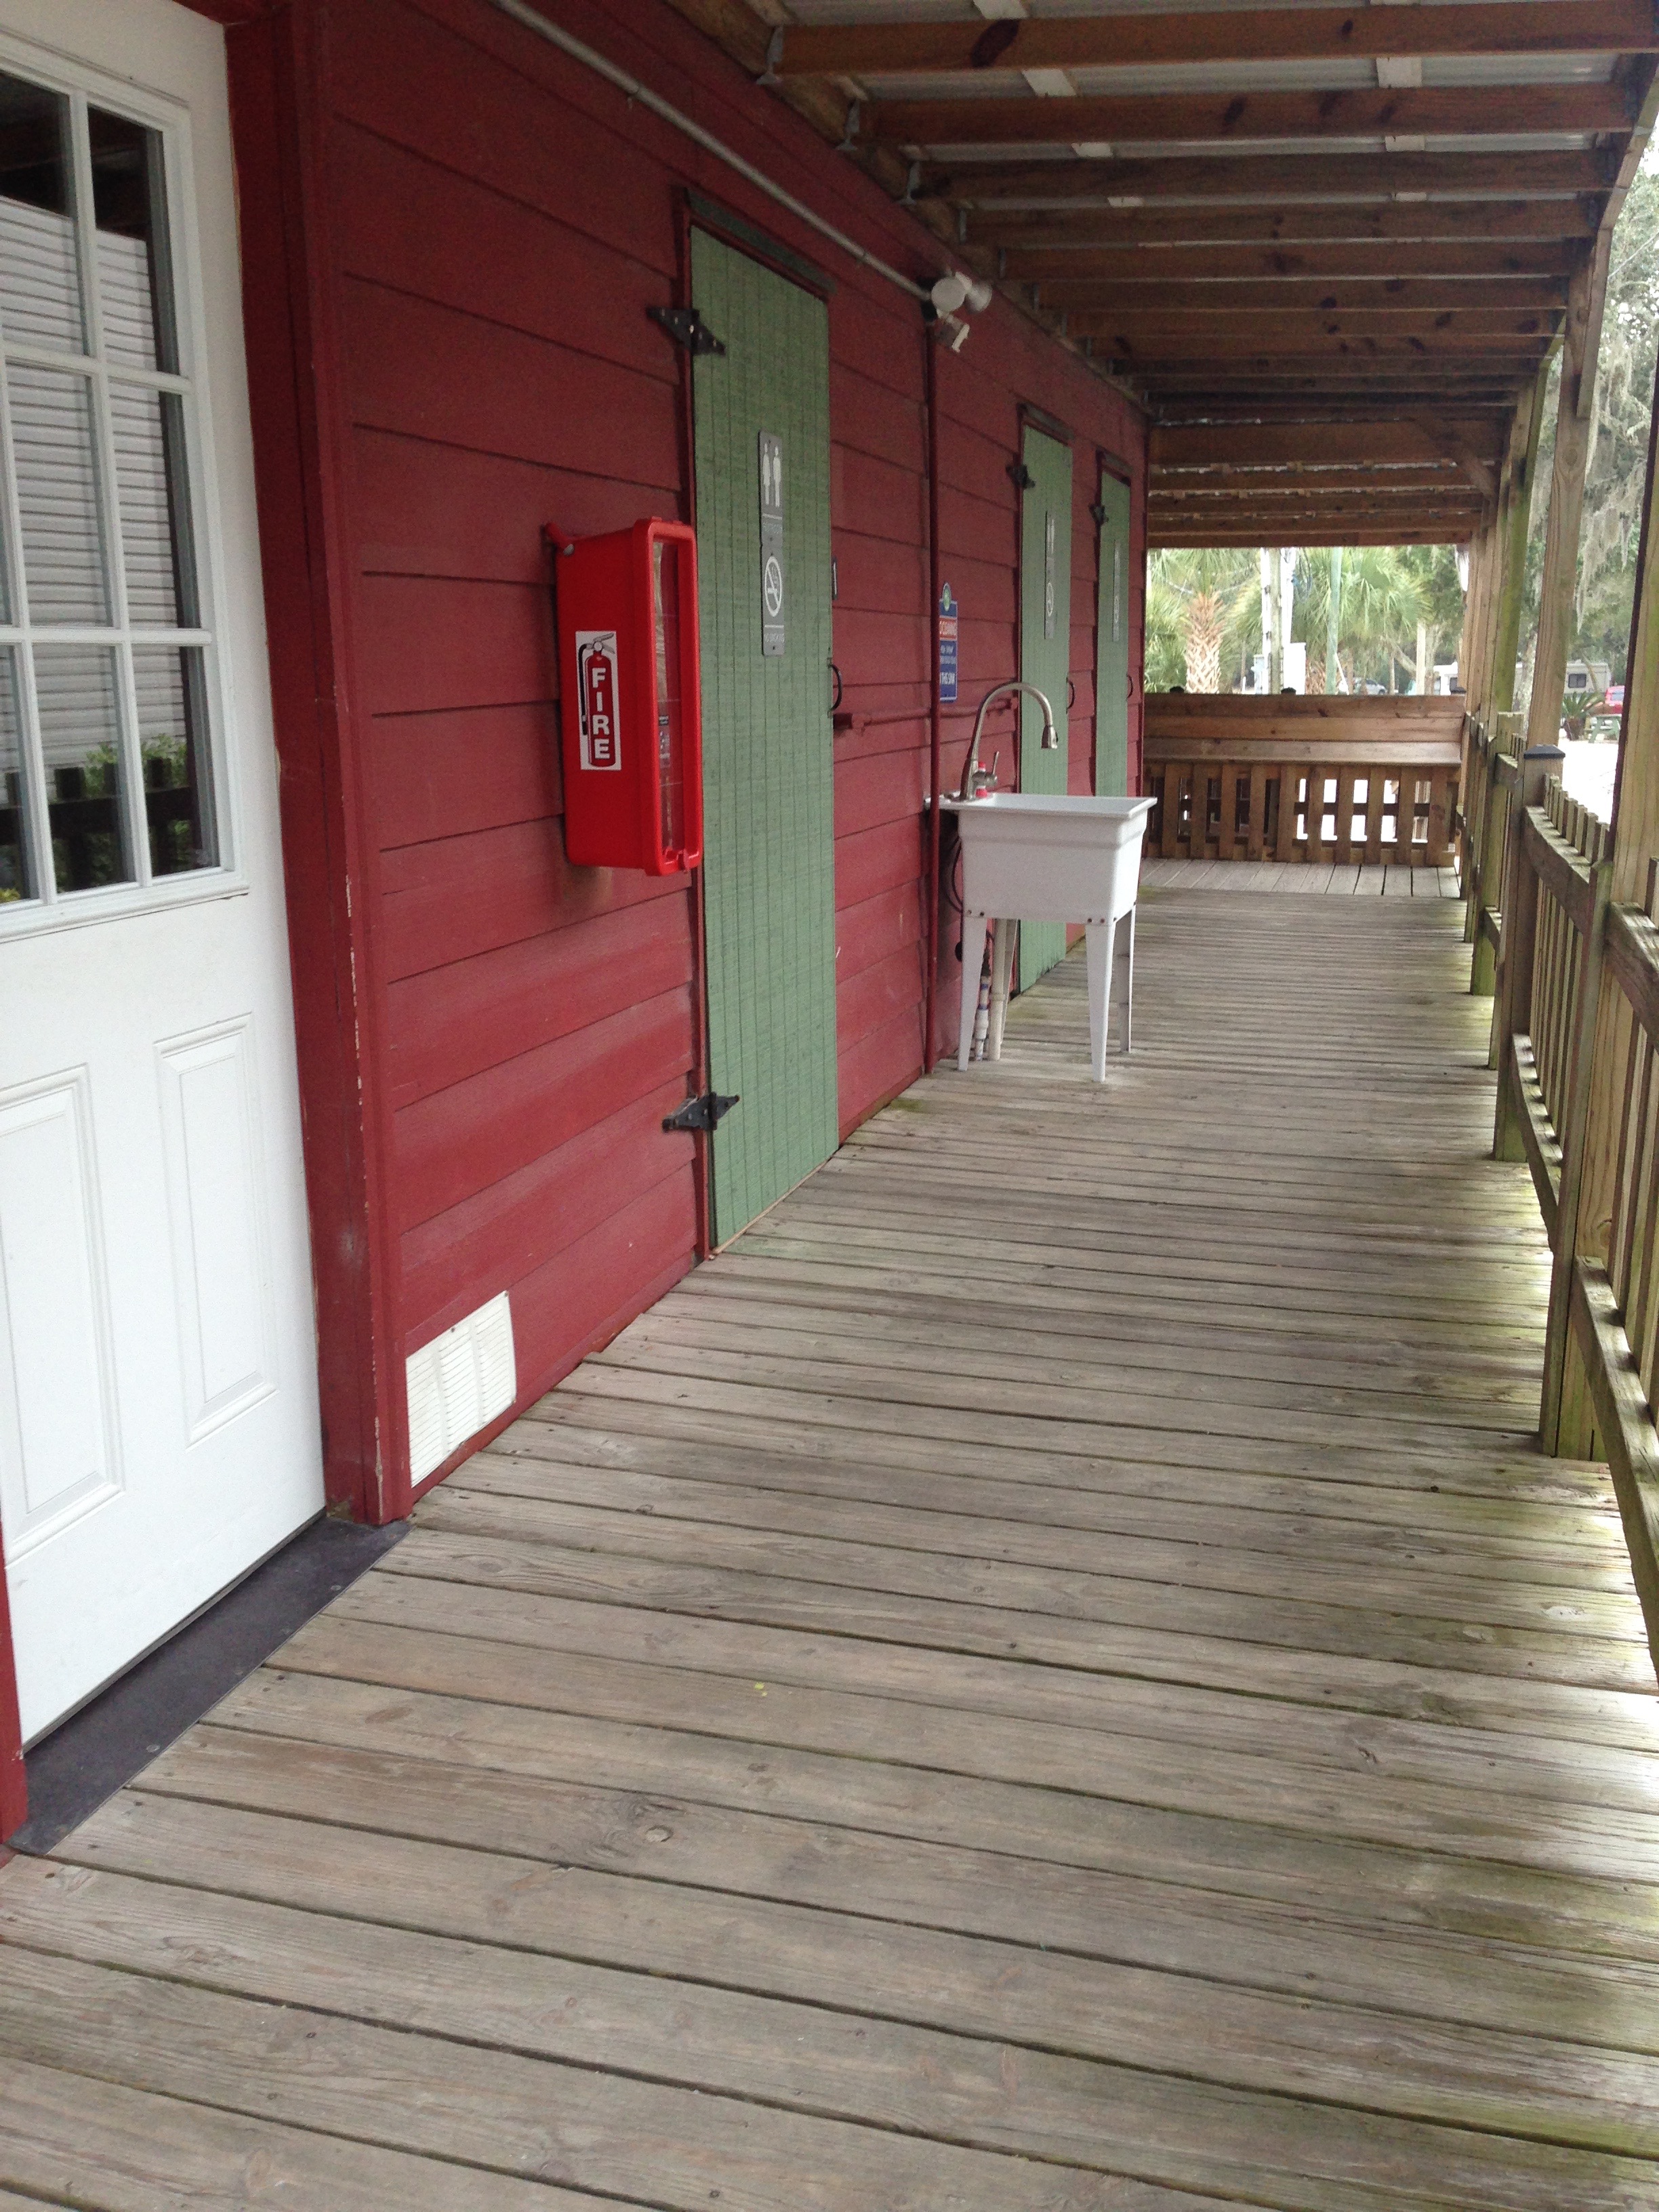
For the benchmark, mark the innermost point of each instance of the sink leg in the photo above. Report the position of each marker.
(1002, 962)
(973, 959)
(1123, 977)
(1099, 936)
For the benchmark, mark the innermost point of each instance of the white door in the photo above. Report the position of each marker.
(158, 1404)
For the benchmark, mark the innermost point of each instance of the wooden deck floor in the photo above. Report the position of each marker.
(1049, 1679)
(1341, 881)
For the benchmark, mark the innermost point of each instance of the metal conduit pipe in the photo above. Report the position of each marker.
(935, 706)
(533, 20)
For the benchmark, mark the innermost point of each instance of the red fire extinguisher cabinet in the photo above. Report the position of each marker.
(630, 697)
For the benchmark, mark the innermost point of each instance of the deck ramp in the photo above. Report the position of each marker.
(1050, 1678)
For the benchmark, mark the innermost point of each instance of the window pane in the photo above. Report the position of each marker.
(149, 470)
(172, 738)
(16, 876)
(129, 207)
(80, 744)
(39, 282)
(57, 493)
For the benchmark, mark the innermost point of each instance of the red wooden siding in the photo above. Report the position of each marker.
(490, 223)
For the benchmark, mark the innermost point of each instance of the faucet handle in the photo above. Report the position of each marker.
(985, 778)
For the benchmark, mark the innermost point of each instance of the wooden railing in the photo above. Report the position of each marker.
(1490, 774)
(1578, 1008)
(1239, 777)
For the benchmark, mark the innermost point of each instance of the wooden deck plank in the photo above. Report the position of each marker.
(908, 2009)
(111, 2148)
(1052, 1675)
(823, 1935)
(575, 1465)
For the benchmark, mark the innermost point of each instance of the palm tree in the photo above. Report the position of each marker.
(1201, 595)
(1382, 604)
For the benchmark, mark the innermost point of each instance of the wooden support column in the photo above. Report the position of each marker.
(1635, 845)
(1559, 588)
(1471, 666)
(1512, 551)
(1469, 657)
(1515, 975)
(1503, 633)
(1482, 554)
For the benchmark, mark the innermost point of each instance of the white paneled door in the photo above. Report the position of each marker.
(158, 1402)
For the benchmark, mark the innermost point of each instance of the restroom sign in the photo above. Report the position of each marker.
(596, 686)
(948, 611)
(771, 544)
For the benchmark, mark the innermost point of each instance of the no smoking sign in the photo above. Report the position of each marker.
(771, 544)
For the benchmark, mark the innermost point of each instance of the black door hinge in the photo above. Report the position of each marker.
(687, 328)
(705, 1113)
(1023, 480)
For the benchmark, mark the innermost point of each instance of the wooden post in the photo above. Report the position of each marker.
(1635, 844)
(1512, 553)
(1504, 630)
(1572, 431)
(1482, 558)
(1514, 1010)
(1471, 661)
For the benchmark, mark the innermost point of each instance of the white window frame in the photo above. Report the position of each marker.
(49, 909)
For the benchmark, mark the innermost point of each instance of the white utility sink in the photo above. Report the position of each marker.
(1031, 856)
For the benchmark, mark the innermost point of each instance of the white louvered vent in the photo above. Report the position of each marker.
(460, 1382)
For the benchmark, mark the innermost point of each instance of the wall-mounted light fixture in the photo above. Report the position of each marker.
(950, 295)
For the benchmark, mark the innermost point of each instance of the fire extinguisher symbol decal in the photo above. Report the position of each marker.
(596, 684)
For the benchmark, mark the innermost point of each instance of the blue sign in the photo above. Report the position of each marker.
(947, 647)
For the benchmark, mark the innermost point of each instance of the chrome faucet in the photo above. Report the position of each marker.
(976, 781)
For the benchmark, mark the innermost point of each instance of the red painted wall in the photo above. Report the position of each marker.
(475, 228)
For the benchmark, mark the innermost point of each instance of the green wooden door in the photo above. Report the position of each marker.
(1045, 657)
(1112, 644)
(763, 471)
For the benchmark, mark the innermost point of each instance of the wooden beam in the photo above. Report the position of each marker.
(1495, 27)
(1255, 341)
(1436, 297)
(1276, 221)
(1549, 260)
(1288, 328)
(1192, 489)
(1187, 389)
(1180, 483)
(1246, 175)
(1278, 517)
(1365, 444)
(1357, 112)
(1370, 533)
(1193, 406)
(1253, 507)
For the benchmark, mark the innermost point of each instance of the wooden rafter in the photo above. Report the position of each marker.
(1199, 484)
(1242, 174)
(1298, 225)
(1352, 113)
(1449, 439)
(1129, 267)
(1308, 274)
(1461, 300)
(1494, 26)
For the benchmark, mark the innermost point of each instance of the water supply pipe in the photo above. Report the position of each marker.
(935, 704)
(970, 767)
